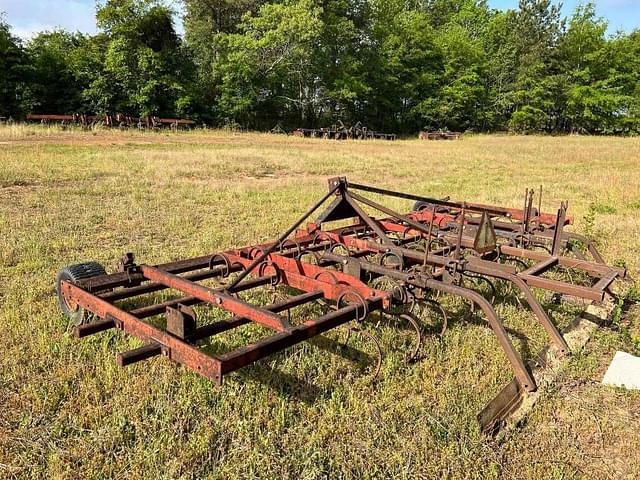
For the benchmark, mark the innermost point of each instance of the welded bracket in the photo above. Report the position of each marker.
(181, 321)
(127, 264)
(351, 266)
(337, 181)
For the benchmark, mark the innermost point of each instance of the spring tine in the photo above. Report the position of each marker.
(364, 333)
(494, 291)
(413, 321)
(437, 305)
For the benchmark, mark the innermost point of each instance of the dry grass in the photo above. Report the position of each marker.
(69, 412)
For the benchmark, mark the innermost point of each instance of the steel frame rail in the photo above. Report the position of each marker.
(360, 300)
(340, 278)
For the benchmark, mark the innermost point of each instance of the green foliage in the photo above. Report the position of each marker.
(595, 209)
(54, 86)
(624, 300)
(602, 208)
(393, 65)
(15, 72)
(527, 119)
(268, 64)
(136, 65)
(407, 71)
(462, 101)
(143, 57)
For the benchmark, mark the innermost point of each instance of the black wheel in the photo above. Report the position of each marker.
(420, 205)
(74, 273)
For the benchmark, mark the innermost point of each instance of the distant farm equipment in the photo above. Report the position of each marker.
(439, 135)
(118, 120)
(396, 264)
(341, 132)
(278, 129)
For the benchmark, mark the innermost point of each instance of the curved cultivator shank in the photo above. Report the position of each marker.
(389, 263)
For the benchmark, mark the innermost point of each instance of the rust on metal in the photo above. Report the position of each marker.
(439, 135)
(117, 120)
(340, 131)
(381, 263)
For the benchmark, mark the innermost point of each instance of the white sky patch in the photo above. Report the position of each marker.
(28, 17)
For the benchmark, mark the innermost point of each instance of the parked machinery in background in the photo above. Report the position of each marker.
(118, 120)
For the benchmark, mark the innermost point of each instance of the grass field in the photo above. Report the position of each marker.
(67, 410)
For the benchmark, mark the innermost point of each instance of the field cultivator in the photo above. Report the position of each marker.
(353, 264)
(342, 132)
(439, 135)
(118, 120)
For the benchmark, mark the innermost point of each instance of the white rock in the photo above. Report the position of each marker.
(624, 371)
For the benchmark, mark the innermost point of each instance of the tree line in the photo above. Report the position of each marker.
(394, 65)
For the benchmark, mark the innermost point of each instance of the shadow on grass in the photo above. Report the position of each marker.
(287, 385)
(471, 316)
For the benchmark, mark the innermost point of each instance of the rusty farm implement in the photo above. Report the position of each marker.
(118, 120)
(352, 264)
(340, 131)
(439, 135)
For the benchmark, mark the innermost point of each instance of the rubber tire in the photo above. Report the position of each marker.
(74, 273)
(420, 205)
